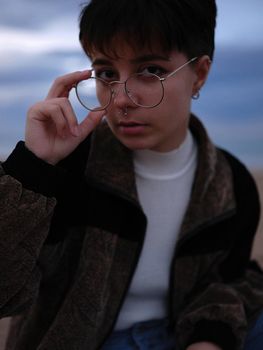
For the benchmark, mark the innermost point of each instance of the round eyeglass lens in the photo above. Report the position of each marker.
(94, 94)
(145, 90)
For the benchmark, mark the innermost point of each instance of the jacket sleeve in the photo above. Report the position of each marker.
(64, 182)
(229, 296)
(24, 224)
(37, 200)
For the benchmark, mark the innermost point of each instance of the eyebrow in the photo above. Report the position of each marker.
(136, 60)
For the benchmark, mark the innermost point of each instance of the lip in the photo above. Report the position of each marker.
(131, 127)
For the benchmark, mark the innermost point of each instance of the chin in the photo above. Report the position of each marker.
(135, 146)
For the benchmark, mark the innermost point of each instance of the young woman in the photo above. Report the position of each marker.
(131, 229)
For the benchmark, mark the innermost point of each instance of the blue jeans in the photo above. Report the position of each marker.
(156, 335)
(254, 339)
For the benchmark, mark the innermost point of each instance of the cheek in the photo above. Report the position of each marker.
(178, 95)
(111, 115)
(175, 107)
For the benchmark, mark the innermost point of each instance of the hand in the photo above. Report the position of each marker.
(203, 346)
(52, 129)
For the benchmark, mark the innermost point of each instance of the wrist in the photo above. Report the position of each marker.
(32, 172)
(45, 158)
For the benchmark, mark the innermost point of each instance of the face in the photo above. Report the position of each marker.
(162, 128)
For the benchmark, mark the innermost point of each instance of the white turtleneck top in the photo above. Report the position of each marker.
(164, 182)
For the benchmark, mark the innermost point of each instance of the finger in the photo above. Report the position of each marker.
(62, 85)
(51, 115)
(69, 114)
(90, 123)
(57, 116)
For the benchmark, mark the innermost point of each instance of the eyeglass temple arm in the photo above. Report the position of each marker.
(185, 64)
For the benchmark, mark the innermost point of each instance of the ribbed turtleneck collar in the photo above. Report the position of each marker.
(166, 165)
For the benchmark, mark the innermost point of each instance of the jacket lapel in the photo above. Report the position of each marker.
(212, 191)
(111, 164)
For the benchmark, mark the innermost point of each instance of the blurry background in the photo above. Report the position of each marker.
(39, 41)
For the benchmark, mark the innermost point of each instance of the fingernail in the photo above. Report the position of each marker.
(87, 71)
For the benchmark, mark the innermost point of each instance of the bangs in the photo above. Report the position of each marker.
(136, 27)
(112, 46)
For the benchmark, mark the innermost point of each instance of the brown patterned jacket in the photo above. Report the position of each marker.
(71, 236)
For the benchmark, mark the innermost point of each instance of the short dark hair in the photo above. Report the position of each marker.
(185, 25)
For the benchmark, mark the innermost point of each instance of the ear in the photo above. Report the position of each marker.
(201, 68)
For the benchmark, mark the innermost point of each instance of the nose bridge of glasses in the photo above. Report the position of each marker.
(115, 89)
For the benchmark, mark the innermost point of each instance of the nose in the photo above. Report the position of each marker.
(120, 97)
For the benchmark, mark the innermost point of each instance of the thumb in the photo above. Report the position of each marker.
(92, 120)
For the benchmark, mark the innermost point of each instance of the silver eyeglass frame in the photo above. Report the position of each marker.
(161, 79)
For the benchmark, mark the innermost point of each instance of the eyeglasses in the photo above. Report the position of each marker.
(144, 90)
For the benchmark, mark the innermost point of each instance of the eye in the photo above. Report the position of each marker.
(106, 74)
(159, 71)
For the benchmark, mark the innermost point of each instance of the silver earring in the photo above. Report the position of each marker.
(196, 95)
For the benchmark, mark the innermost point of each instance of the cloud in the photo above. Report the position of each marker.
(239, 23)
(29, 79)
(61, 34)
(17, 93)
(35, 14)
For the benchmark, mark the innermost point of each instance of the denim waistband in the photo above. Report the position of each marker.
(154, 334)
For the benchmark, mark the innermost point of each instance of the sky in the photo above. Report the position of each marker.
(39, 41)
